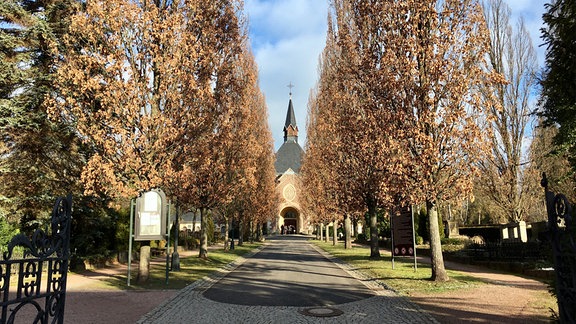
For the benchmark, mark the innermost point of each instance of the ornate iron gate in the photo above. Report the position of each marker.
(562, 230)
(41, 283)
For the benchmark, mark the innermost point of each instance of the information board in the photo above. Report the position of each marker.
(150, 216)
(402, 232)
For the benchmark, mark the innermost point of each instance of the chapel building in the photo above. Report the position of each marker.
(288, 160)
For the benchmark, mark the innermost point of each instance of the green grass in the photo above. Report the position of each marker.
(402, 278)
(192, 268)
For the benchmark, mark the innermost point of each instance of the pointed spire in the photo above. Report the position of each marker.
(290, 116)
(290, 127)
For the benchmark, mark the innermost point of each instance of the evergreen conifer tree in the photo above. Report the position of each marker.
(39, 158)
(558, 97)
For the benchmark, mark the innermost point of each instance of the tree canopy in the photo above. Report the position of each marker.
(166, 95)
(40, 159)
(558, 97)
(512, 55)
(404, 103)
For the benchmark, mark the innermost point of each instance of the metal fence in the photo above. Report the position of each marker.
(33, 287)
(562, 230)
(507, 251)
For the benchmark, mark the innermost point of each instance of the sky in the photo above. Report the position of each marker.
(287, 37)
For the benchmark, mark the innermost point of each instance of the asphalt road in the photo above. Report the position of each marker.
(288, 272)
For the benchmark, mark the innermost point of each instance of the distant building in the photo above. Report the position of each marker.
(190, 221)
(287, 165)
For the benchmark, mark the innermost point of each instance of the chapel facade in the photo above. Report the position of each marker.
(290, 216)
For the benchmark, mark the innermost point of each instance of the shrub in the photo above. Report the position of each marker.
(7, 231)
(93, 235)
(361, 238)
(419, 240)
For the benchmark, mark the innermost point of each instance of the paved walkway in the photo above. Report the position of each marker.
(287, 281)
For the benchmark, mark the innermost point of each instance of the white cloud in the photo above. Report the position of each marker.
(287, 38)
(531, 11)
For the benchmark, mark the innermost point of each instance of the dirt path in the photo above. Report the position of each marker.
(504, 299)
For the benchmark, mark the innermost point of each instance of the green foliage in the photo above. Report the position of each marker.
(94, 229)
(7, 231)
(422, 227)
(453, 241)
(384, 228)
(383, 223)
(441, 225)
(210, 230)
(29, 222)
(191, 242)
(419, 240)
(361, 238)
(40, 158)
(122, 228)
(558, 92)
(422, 221)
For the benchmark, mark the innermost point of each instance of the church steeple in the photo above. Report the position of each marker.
(289, 155)
(290, 127)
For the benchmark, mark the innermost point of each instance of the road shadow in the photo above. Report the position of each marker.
(288, 272)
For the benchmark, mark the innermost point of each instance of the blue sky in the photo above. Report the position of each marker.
(287, 37)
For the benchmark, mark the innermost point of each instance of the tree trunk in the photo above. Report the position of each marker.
(203, 234)
(355, 227)
(374, 248)
(175, 266)
(226, 234)
(327, 236)
(335, 232)
(240, 233)
(437, 260)
(144, 267)
(321, 230)
(251, 231)
(259, 236)
(347, 236)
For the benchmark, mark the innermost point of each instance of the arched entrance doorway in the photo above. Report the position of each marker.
(291, 218)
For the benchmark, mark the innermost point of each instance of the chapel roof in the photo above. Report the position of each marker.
(289, 156)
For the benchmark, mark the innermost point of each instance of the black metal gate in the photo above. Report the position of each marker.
(562, 235)
(40, 286)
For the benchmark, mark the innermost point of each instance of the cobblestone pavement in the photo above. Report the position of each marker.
(190, 306)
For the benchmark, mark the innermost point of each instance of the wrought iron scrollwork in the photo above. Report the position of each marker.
(43, 251)
(43, 245)
(562, 232)
(563, 210)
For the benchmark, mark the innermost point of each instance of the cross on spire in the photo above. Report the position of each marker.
(290, 85)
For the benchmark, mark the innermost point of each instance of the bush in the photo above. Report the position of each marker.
(210, 230)
(93, 235)
(419, 240)
(453, 241)
(361, 238)
(192, 242)
(422, 227)
(7, 231)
